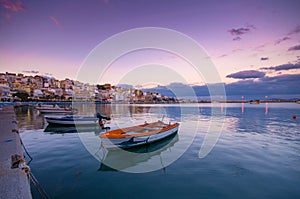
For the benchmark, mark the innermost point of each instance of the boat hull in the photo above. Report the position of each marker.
(133, 141)
(55, 111)
(71, 121)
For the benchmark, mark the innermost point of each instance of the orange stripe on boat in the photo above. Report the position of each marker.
(123, 132)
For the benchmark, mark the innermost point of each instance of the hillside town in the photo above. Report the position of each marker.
(19, 87)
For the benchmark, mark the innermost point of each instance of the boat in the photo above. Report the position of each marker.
(40, 106)
(54, 109)
(298, 101)
(137, 135)
(254, 101)
(71, 120)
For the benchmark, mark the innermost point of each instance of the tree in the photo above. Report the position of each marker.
(22, 95)
(101, 87)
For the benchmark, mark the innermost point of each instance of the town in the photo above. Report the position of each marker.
(19, 87)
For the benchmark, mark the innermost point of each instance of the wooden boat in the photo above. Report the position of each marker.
(138, 135)
(54, 109)
(71, 120)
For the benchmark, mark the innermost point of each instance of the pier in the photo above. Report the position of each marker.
(14, 182)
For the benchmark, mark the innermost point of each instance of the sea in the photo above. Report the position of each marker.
(220, 151)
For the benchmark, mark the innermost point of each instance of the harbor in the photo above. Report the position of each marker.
(149, 99)
(70, 162)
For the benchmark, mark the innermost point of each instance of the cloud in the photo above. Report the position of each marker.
(224, 55)
(282, 67)
(13, 5)
(264, 58)
(237, 50)
(238, 31)
(281, 40)
(260, 47)
(236, 38)
(297, 47)
(277, 85)
(246, 74)
(251, 26)
(281, 84)
(296, 30)
(55, 21)
(31, 71)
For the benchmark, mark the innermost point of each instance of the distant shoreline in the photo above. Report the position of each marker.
(133, 103)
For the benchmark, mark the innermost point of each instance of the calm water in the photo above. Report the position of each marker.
(256, 156)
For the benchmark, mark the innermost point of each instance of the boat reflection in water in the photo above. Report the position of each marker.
(57, 129)
(124, 159)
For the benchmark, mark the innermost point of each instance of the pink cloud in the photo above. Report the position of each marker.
(13, 5)
(55, 21)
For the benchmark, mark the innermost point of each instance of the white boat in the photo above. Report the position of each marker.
(53, 109)
(254, 101)
(71, 120)
(137, 135)
(298, 101)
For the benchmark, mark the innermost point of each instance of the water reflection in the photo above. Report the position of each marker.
(120, 160)
(29, 118)
(55, 129)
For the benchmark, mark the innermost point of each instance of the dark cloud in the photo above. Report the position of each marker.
(236, 38)
(238, 31)
(264, 58)
(246, 74)
(251, 26)
(277, 85)
(282, 84)
(282, 40)
(283, 67)
(296, 30)
(297, 47)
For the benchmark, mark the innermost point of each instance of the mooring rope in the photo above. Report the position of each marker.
(26, 152)
(31, 177)
(37, 185)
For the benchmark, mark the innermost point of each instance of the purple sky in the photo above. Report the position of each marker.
(56, 36)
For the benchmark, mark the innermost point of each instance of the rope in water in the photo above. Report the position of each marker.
(37, 185)
(26, 151)
(31, 177)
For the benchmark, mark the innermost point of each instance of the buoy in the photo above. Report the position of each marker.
(294, 116)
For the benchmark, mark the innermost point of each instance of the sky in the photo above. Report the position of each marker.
(247, 41)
